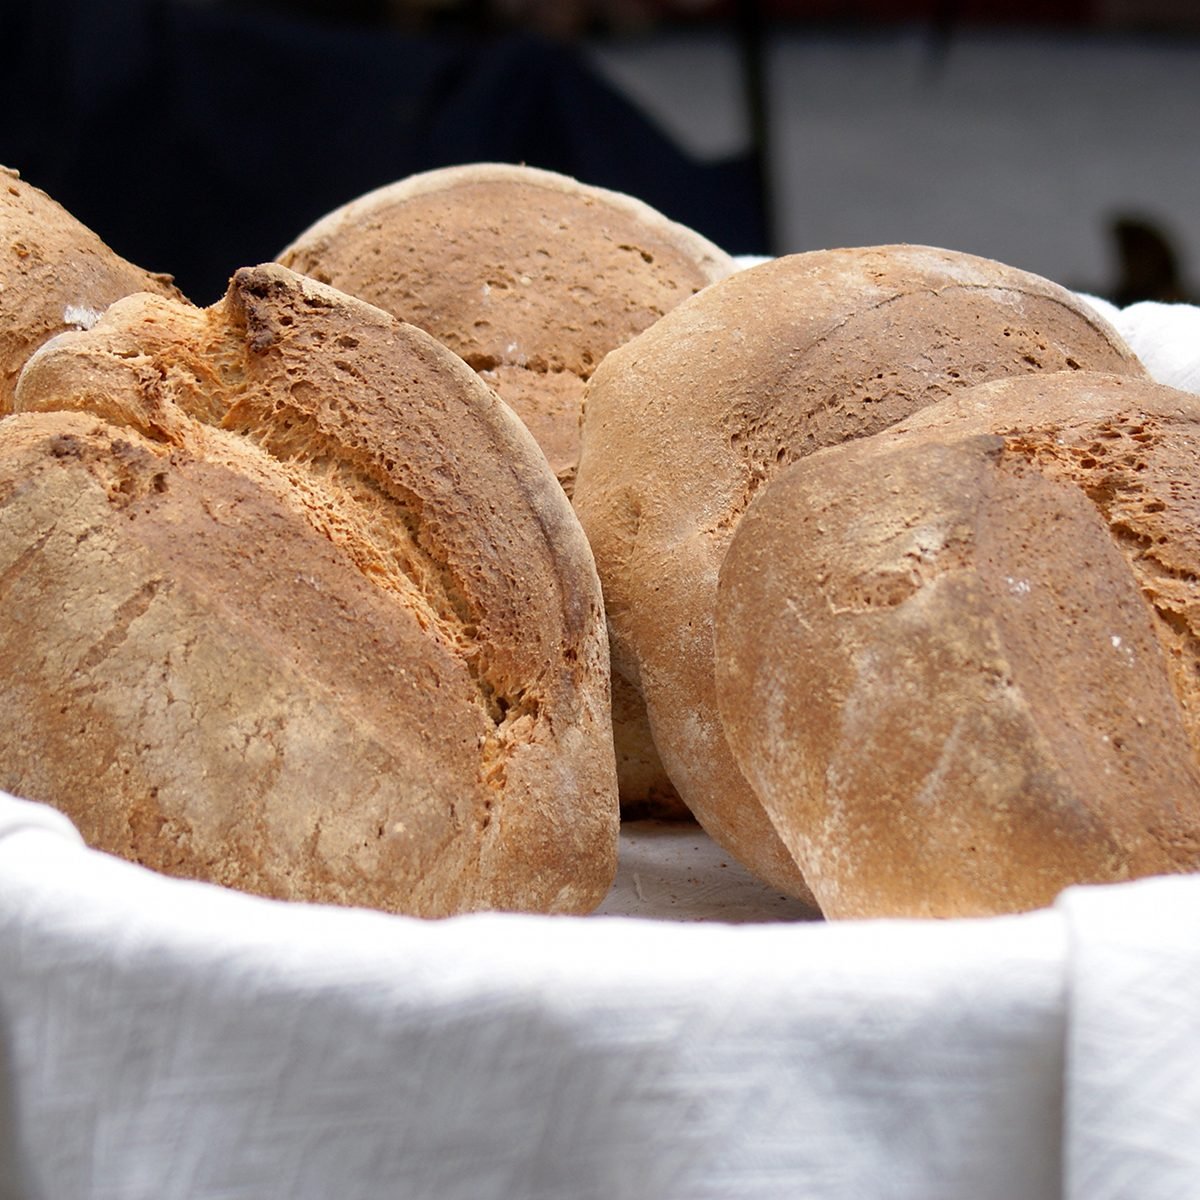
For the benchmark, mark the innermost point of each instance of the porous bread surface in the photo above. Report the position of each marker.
(957, 660)
(332, 631)
(529, 275)
(686, 422)
(55, 274)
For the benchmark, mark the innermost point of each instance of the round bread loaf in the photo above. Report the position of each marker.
(532, 278)
(528, 275)
(683, 424)
(295, 605)
(55, 274)
(958, 661)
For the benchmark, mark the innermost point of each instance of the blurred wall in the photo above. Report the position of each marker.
(1022, 144)
(199, 135)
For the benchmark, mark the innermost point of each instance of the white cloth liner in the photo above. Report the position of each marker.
(168, 1039)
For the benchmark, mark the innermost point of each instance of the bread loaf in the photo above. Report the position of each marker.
(532, 277)
(686, 422)
(295, 605)
(55, 274)
(958, 661)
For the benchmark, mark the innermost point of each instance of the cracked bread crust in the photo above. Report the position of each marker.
(685, 423)
(980, 686)
(55, 275)
(336, 633)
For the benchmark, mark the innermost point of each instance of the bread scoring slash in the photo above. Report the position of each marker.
(294, 604)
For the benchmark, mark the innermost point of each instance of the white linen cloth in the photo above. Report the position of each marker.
(167, 1039)
(1133, 1041)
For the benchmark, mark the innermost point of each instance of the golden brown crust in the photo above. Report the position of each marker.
(530, 276)
(1130, 447)
(957, 659)
(55, 274)
(389, 595)
(685, 423)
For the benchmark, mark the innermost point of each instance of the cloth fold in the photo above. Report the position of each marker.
(1133, 1048)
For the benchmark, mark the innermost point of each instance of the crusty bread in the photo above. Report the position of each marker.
(958, 661)
(55, 274)
(295, 604)
(532, 277)
(683, 424)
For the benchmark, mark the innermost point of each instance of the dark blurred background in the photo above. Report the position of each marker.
(196, 136)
